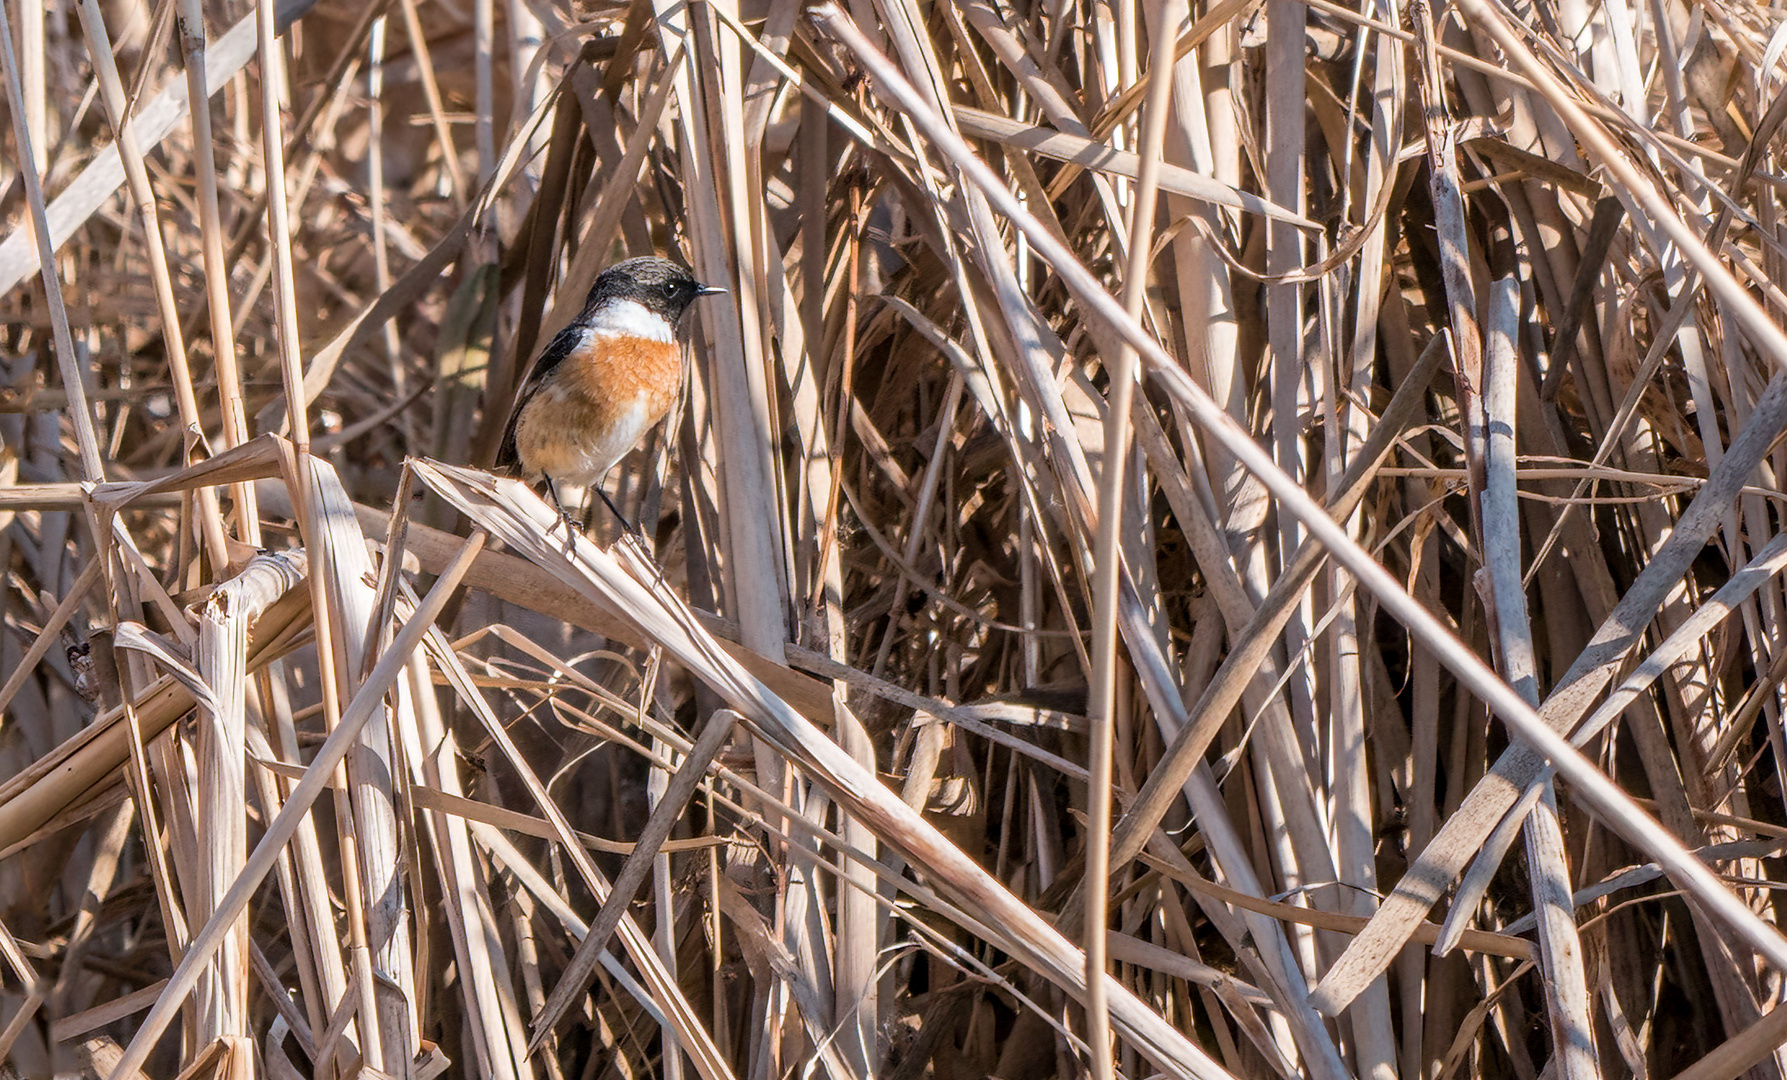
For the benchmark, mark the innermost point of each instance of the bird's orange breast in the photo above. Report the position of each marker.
(619, 367)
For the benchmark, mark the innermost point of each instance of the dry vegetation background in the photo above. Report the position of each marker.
(1453, 445)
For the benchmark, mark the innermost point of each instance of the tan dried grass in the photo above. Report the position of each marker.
(362, 739)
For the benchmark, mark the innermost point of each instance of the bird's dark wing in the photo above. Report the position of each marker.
(562, 345)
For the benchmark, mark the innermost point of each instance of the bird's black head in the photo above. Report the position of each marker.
(657, 284)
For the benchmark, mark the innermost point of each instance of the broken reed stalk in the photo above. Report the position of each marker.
(889, 499)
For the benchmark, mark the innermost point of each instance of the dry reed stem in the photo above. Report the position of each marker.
(876, 531)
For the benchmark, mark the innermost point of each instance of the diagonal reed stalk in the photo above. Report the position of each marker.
(1084, 429)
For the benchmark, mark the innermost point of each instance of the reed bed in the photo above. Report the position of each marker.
(1229, 541)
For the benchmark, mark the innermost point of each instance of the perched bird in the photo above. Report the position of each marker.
(604, 380)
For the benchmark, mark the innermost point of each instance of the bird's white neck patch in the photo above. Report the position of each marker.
(631, 317)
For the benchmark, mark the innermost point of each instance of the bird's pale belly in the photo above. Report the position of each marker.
(578, 442)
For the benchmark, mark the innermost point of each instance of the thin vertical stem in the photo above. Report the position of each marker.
(483, 41)
(191, 34)
(291, 369)
(437, 112)
(375, 198)
(31, 73)
(111, 95)
(1107, 560)
(279, 229)
(66, 359)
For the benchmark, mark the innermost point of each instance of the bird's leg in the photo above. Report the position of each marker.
(632, 538)
(626, 526)
(571, 525)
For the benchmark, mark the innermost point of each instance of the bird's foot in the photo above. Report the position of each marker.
(572, 526)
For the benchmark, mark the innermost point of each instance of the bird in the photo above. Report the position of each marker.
(603, 381)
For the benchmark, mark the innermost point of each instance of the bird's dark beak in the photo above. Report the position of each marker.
(711, 290)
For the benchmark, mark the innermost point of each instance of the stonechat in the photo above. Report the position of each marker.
(604, 380)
